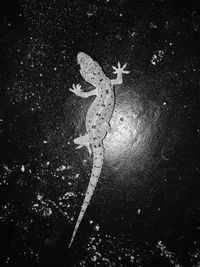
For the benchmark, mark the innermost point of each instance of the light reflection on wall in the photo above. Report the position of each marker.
(128, 147)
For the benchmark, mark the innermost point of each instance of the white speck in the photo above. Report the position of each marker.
(47, 212)
(94, 247)
(68, 194)
(152, 25)
(94, 258)
(139, 211)
(133, 34)
(92, 10)
(153, 60)
(54, 68)
(91, 222)
(47, 163)
(45, 142)
(157, 57)
(5, 207)
(160, 53)
(7, 259)
(40, 75)
(160, 245)
(39, 197)
(61, 168)
(69, 167)
(164, 103)
(97, 227)
(22, 168)
(6, 168)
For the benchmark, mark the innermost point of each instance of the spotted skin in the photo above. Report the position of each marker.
(97, 119)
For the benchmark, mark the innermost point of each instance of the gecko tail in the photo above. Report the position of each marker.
(80, 217)
(90, 190)
(85, 204)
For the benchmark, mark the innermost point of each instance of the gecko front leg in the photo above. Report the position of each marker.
(119, 71)
(76, 89)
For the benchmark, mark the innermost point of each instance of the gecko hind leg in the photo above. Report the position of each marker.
(83, 140)
(111, 128)
(108, 130)
(106, 125)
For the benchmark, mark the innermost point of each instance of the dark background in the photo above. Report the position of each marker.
(146, 208)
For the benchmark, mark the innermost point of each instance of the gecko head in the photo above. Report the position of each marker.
(82, 57)
(85, 62)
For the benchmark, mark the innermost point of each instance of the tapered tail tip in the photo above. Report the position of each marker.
(70, 244)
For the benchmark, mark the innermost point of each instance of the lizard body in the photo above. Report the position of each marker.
(97, 119)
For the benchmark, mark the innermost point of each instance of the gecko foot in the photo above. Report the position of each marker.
(119, 70)
(82, 141)
(76, 89)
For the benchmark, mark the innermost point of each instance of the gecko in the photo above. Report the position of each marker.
(97, 119)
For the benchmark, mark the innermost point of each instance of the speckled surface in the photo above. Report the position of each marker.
(146, 208)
